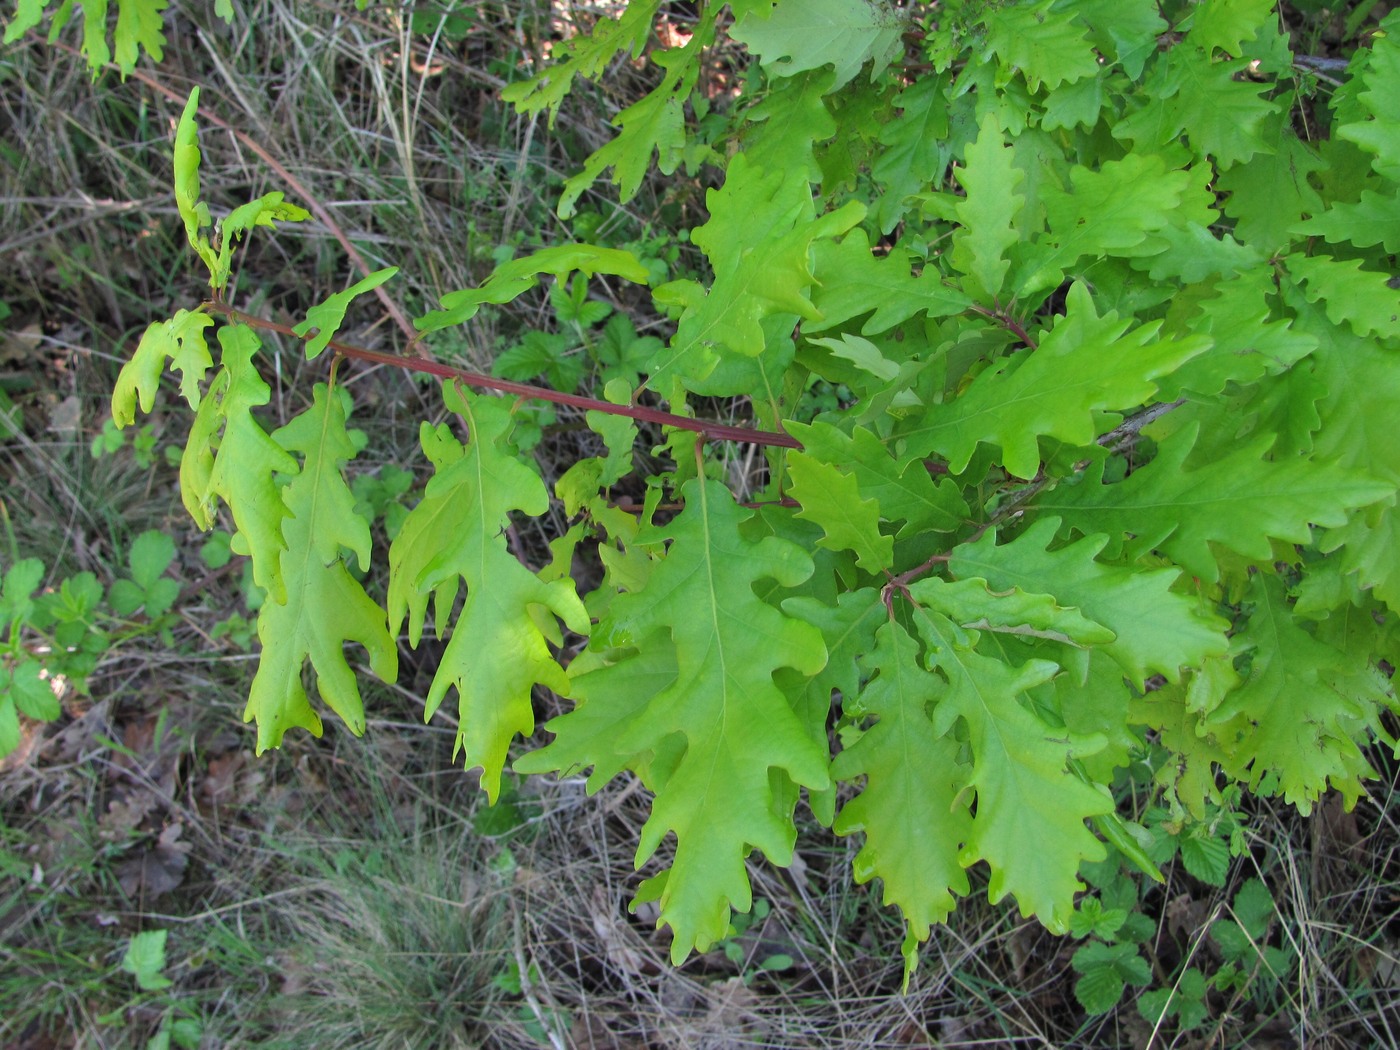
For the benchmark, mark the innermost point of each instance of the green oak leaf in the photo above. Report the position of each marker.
(1085, 366)
(853, 281)
(139, 25)
(910, 811)
(326, 317)
(1361, 299)
(1031, 810)
(738, 727)
(904, 489)
(843, 33)
(1372, 219)
(1379, 134)
(243, 468)
(987, 213)
(499, 649)
(789, 122)
(1125, 29)
(916, 148)
(758, 240)
(518, 276)
(831, 499)
(973, 605)
(324, 606)
(1240, 500)
(1301, 710)
(180, 341)
(1157, 630)
(1045, 43)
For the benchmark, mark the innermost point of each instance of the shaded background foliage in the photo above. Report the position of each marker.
(343, 891)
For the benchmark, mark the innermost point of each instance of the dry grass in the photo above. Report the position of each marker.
(354, 893)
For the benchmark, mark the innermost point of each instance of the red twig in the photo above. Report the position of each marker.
(716, 431)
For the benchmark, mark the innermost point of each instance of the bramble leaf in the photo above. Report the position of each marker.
(324, 606)
(498, 651)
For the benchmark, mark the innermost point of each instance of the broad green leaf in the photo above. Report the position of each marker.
(759, 242)
(21, 580)
(33, 690)
(1297, 717)
(1270, 195)
(914, 821)
(1106, 969)
(180, 341)
(498, 650)
(1224, 25)
(324, 606)
(852, 281)
(1246, 343)
(738, 727)
(987, 212)
(1371, 220)
(1363, 299)
(513, 278)
(145, 959)
(1157, 630)
(1379, 135)
(1125, 29)
(1044, 42)
(789, 122)
(843, 33)
(831, 499)
(1065, 389)
(1030, 810)
(608, 699)
(848, 627)
(916, 148)
(973, 605)
(904, 490)
(1191, 94)
(1240, 500)
(242, 470)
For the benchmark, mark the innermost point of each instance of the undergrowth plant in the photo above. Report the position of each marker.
(1068, 335)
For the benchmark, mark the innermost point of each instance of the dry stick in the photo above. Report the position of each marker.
(317, 208)
(718, 431)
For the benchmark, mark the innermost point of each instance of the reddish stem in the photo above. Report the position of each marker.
(717, 431)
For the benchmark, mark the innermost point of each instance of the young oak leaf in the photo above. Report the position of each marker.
(987, 212)
(180, 341)
(832, 500)
(1031, 809)
(498, 650)
(242, 470)
(794, 38)
(1065, 389)
(324, 606)
(737, 725)
(914, 823)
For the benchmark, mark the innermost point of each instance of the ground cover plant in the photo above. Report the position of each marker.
(1008, 486)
